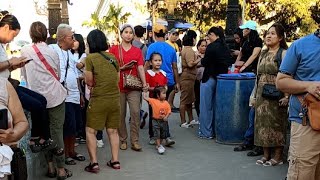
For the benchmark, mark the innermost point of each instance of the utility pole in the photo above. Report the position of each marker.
(232, 20)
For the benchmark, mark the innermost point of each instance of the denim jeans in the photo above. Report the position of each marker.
(207, 105)
(249, 135)
(36, 104)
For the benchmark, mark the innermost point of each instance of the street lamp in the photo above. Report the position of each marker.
(232, 20)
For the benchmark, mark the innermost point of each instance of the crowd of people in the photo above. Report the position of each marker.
(74, 94)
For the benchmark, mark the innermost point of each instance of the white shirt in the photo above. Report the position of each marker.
(3, 57)
(39, 79)
(72, 74)
(78, 60)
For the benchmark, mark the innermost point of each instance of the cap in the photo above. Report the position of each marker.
(158, 27)
(174, 30)
(249, 25)
(125, 26)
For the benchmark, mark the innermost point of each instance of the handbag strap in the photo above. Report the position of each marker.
(111, 61)
(44, 61)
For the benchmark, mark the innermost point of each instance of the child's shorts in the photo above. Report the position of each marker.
(160, 129)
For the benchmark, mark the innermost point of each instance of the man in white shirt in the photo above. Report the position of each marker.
(69, 78)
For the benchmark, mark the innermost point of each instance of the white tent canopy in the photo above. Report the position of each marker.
(158, 21)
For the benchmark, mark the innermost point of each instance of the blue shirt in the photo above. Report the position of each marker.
(168, 57)
(302, 61)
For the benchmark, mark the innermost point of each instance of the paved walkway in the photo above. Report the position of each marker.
(190, 159)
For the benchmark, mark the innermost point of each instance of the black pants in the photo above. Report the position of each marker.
(81, 123)
(36, 104)
(197, 96)
(72, 115)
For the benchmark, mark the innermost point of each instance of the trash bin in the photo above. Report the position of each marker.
(232, 106)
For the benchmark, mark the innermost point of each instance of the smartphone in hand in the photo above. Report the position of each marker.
(29, 60)
(4, 119)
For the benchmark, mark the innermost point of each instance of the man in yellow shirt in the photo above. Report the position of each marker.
(172, 41)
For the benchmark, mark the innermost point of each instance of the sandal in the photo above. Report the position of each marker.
(272, 162)
(93, 168)
(243, 147)
(69, 161)
(113, 164)
(78, 157)
(36, 146)
(68, 174)
(261, 161)
(257, 151)
(52, 174)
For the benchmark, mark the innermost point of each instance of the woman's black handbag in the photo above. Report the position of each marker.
(270, 91)
(18, 165)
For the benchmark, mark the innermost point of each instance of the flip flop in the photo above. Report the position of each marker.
(261, 161)
(69, 161)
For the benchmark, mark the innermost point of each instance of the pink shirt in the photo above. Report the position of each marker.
(39, 79)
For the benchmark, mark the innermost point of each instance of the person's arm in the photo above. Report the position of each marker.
(176, 75)
(13, 62)
(19, 120)
(88, 74)
(142, 77)
(145, 96)
(254, 55)
(239, 55)
(191, 59)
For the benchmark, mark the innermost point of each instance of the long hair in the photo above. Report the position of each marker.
(253, 37)
(281, 34)
(82, 47)
(11, 20)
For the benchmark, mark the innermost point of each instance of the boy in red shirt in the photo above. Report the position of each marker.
(161, 110)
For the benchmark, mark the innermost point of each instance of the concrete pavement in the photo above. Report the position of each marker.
(190, 158)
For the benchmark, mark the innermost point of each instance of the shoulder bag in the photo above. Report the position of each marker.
(310, 111)
(130, 81)
(270, 91)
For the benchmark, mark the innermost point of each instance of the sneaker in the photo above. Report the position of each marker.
(82, 141)
(152, 142)
(194, 122)
(161, 149)
(100, 143)
(185, 125)
(169, 142)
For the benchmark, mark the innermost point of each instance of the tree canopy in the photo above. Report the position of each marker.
(109, 22)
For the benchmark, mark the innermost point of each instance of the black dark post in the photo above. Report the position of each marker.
(232, 20)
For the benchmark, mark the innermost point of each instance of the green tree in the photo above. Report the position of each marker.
(292, 14)
(315, 12)
(96, 22)
(202, 13)
(110, 22)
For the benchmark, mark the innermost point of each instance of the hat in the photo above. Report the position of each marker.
(125, 26)
(158, 27)
(174, 30)
(249, 25)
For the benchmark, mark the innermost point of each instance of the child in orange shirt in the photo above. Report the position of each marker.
(160, 113)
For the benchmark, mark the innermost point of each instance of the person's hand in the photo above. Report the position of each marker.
(16, 61)
(242, 68)
(145, 88)
(239, 63)
(177, 87)
(314, 89)
(235, 52)
(82, 101)
(5, 135)
(283, 102)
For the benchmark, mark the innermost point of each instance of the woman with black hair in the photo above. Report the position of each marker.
(102, 77)
(189, 63)
(238, 41)
(250, 50)
(79, 54)
(216, 61)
